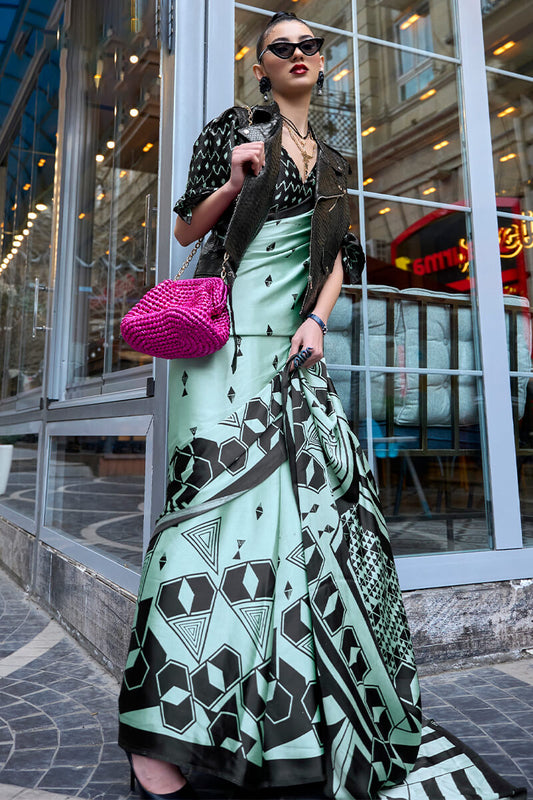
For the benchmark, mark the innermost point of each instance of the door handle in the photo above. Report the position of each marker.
(149, 213)
(37, 287)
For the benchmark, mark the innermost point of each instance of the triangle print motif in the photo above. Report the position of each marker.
(256, 618)
(192, 631)
(205, 540)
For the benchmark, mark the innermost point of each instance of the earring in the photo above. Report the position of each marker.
(320, 83)
(264, 87)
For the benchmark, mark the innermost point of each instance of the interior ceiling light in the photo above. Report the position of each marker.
(100, 196)
(9, 256)
(125, 238)
(440, 145)
(504, 48)
(148, 146)
(508, 157)
(26, 187)
(408, 22)
(507, 111)
(19, 237)
(368, 130)
(40, 207)
(29, 224)
(26, 231)
(429, 93)
(429, 190)
(134, 112)
(242, 52)
(41, 162)
(110, 144)
(367, 181)
(340, 74)
(122, 173)
(17, 244)
(99, 157)
(82, 215)
(134, 59)
(32, 215)
(384, 210)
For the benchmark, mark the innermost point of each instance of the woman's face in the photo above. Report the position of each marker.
(293, 75)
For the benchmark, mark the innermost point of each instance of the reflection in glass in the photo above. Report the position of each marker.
(95, 493)
(410, 127)
(427, 25)
(508, 39)
(18, 472)
(510, 101)
(335, 13)
(27, 180)
(119, 160)
(332, 114)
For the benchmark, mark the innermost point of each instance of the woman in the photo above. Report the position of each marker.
(270, 646)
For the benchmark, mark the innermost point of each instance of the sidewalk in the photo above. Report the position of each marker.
(58, 712)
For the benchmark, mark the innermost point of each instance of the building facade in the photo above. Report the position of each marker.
(432, 104)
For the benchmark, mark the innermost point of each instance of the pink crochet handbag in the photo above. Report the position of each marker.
(180, 319)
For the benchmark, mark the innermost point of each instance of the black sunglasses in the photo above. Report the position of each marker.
(286, 49)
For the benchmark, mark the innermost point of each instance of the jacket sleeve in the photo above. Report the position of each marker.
(353, 258)
(210, 166)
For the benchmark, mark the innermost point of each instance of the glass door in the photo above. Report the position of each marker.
(25, 250)
(115, 206)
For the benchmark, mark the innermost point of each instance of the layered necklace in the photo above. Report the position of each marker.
(301, 142)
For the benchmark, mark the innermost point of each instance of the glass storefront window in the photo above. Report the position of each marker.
(27, 229)
(428, 25)
(334, 13)
(508, 49)
(18, 471)
(117, 194)
(95, 493)
(508, 40)
(410, 126)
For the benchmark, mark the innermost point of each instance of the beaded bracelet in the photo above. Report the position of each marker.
(319, 322)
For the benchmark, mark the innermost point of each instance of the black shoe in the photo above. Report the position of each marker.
(185, 793)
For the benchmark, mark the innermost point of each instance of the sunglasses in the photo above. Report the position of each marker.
(286, 49)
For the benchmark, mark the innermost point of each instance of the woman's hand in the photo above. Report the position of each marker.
(308, 334)
(245, 158)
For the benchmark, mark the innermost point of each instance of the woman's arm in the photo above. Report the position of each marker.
(244, 158)
(309, 334)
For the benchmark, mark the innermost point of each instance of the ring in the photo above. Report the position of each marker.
(302, 356)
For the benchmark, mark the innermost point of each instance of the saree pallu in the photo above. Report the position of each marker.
(270, 645)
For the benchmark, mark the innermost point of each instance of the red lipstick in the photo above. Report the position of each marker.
(299, 69)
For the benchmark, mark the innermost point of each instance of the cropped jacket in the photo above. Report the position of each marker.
(241, 222)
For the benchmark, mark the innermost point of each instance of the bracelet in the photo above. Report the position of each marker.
(319, 322)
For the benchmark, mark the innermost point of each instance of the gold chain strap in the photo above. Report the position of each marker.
(189, 258)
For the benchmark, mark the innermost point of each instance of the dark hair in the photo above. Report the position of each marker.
(279, 16)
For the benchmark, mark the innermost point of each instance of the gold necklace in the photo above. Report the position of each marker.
(300, 144)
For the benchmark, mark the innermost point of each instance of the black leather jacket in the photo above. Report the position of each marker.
(330, 220)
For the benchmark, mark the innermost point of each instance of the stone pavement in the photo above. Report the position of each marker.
(58, 720)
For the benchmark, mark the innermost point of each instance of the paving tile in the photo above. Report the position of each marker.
(520, 748)
(31, 759)
(466, 728)
(506, 731)
(31, 723)
(509, 705)
(524, 719)
(18, 777)
(81, 736)
(73, 755)
(488, 692)
(487, 716)
(71, 777)
(48, 737)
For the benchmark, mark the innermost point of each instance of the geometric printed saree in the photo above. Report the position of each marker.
(270, 645)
